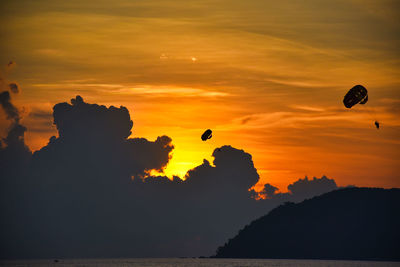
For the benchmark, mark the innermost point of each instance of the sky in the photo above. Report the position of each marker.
(266, 76)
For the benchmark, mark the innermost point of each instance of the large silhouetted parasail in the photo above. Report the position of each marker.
(356, 95)
(206, 135)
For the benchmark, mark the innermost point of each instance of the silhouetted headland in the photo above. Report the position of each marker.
(346, 224)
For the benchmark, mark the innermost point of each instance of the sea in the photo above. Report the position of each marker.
(195, 262)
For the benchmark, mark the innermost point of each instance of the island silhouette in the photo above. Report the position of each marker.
(346, 224)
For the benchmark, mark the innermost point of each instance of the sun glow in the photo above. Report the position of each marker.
(270, 87)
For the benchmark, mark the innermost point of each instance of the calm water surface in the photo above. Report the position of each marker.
(195, 263)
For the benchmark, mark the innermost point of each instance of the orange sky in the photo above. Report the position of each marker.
(269, 77)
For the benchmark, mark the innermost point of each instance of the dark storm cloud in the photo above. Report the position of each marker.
(87, 193)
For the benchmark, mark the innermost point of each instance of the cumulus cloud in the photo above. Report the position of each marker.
(305, 188)
(268, 191)
(79, 120)
(89, 193)
(233, 170)
(95, 136)
(298, 190)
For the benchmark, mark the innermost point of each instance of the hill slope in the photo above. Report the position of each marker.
(351, 223)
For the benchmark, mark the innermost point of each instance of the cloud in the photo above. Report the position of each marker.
(14, 88)
(4, 83)
(233, 170)
(41, 114)
(15, 154)
(153, 155)
(305, 188)
(79, 120)
(101, 134)
(15, 135)
(89, 192)
(298, 190)
(5, 99)
(144, 90)
(307, 108)
(15, 151)
(8, 107)
(268, 191)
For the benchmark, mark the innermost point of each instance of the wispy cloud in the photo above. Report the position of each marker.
(159, 91)
(189, 92)
(292, 119)
(307, 108)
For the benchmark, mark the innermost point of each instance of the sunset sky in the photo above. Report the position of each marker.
(267, 77)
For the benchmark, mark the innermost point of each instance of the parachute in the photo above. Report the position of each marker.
(206, 135)
(356, 95)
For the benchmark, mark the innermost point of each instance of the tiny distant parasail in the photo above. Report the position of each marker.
(206, 135)
(356, 95)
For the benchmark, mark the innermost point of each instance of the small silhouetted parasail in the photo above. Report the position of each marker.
(377, 124)
(356, 95)
(206, 135)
